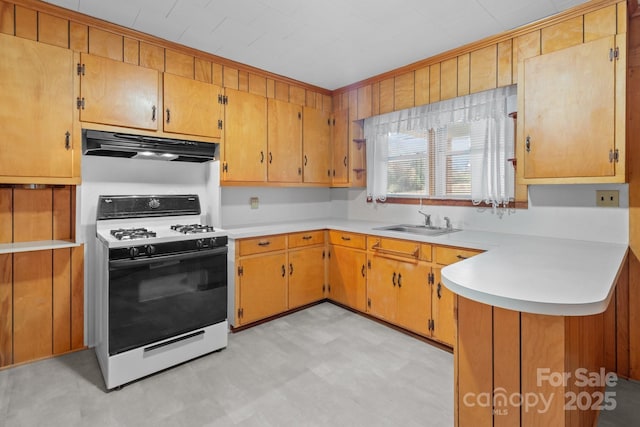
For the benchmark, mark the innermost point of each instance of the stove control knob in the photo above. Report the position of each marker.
(133, 252)
(212, 242)
(200, 243)
(151, 249)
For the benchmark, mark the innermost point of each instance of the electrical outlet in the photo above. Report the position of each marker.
(607, 198)
(254, 202)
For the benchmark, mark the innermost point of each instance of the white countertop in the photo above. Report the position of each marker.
(9, 248)
(531, 274)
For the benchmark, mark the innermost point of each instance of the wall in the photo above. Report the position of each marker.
(275, 205)
(563, 211)
(112, 176)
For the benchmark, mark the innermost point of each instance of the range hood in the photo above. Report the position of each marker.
(115, 144)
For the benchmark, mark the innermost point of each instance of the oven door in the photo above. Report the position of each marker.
(151, 299)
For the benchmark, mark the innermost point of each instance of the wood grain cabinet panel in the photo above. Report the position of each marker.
(7, 18)
(61, 304)
(6, 215)
(601, 23)
(483, 69)
(443, 311)
(36, 93)
(364, 102)
(26, 23)
(505, 67)
(245, 147)
(32, 305)
(116, 93)
(414, 297)
(53, 30)
(191, 107)
(259, 245)
(316, 146)
(6, 310)
(262, 286)
(386, 95)
(340, 148)
(32, 214)
(306, 276)
(449, 78)
(463, 74)
(306, 238)
(570, 112)
(106, 44)
(562, 35)
(434, 83)
(382, 282)
(404, 96)
(284, 141)
(348, 277)
(179, 64)
(422, 86)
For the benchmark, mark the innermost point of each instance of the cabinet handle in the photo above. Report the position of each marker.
(270, 157)
(527, 143)
(262, 157)
(439, 291)
(290, 269)
(362, 270)
(345, 161)
(168, 115)
(461, 257)
(394, 278)
(399, 280)
(305, 160)
(153, 113)
(346, 238)
(307, 237)
(264, 243)
(299, 171)
(67, 140)
(284, 271)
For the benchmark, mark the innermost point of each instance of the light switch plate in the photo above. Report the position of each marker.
(608, 198)
(254, 202)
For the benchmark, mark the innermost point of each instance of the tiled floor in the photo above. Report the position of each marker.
(323, 366)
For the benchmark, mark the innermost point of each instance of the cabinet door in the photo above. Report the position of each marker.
(245, 137)
(263, 287)
(382, 288)
(284, 141)
(443, 311)
(569, 112)
(316, 146)
(117, 93)
(414, 297)
(6, 310)
(306, 276)
(36, 109)
(347, 277)
(340, 147)
(191, 107)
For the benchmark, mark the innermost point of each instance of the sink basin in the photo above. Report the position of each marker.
(418, 229)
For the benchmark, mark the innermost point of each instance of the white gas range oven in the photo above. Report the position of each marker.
(162, 285)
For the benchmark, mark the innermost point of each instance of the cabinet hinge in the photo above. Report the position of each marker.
(80, 69)
(299, 115)
(240, 312)
(369, 302)
(323, 288)
(323, 254)
(329, 288)
(223, 99)
(240, 270)
(614, 156)
(430, 279)
(369, 264)
(225, 167)
(80, 103)
(219, 124)
(614, 53)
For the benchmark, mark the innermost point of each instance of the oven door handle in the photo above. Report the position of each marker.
(119, 264)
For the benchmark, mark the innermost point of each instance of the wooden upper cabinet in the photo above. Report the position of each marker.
(340, 147)
(191, 107)
(245, 137)
(570, 111)
(284, 156)
(316, 145)
(404, 91)
(36, 110)
(117, 93)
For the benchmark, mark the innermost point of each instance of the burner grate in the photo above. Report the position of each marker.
(192, 228)
(132, 233)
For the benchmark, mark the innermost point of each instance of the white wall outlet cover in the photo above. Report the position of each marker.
(254, 202)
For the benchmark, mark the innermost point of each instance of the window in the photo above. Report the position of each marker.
(455, 149)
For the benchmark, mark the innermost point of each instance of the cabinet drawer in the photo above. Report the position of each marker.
(446, 255)
(343, 238)
(306, 238)
(259, 245)
(393, 247)
(425, 252)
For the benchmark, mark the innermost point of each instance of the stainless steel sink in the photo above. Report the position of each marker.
(418, 229)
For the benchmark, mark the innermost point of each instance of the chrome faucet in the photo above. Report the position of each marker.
(447, 222)
(427, 218)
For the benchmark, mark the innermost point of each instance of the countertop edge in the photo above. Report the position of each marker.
(41, 245)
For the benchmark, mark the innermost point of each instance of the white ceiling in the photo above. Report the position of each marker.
(328, 43)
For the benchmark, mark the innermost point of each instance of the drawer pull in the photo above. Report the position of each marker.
(264, 243)
(290, 269)
(346, 238)
(307, 237)
(439, 290)
(394, 278)
(415, 254)
(362, 270)
(399, 280)
(461, 257)
(284, 271)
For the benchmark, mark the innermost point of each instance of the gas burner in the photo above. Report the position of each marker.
(192, 228)
(132, 233)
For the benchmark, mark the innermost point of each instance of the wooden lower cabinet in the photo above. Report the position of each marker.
(442, 311)
(262, 282)
(41, 304)
(348, 277)
(306, 276)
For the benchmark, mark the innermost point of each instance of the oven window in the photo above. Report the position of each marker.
(162, 299)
